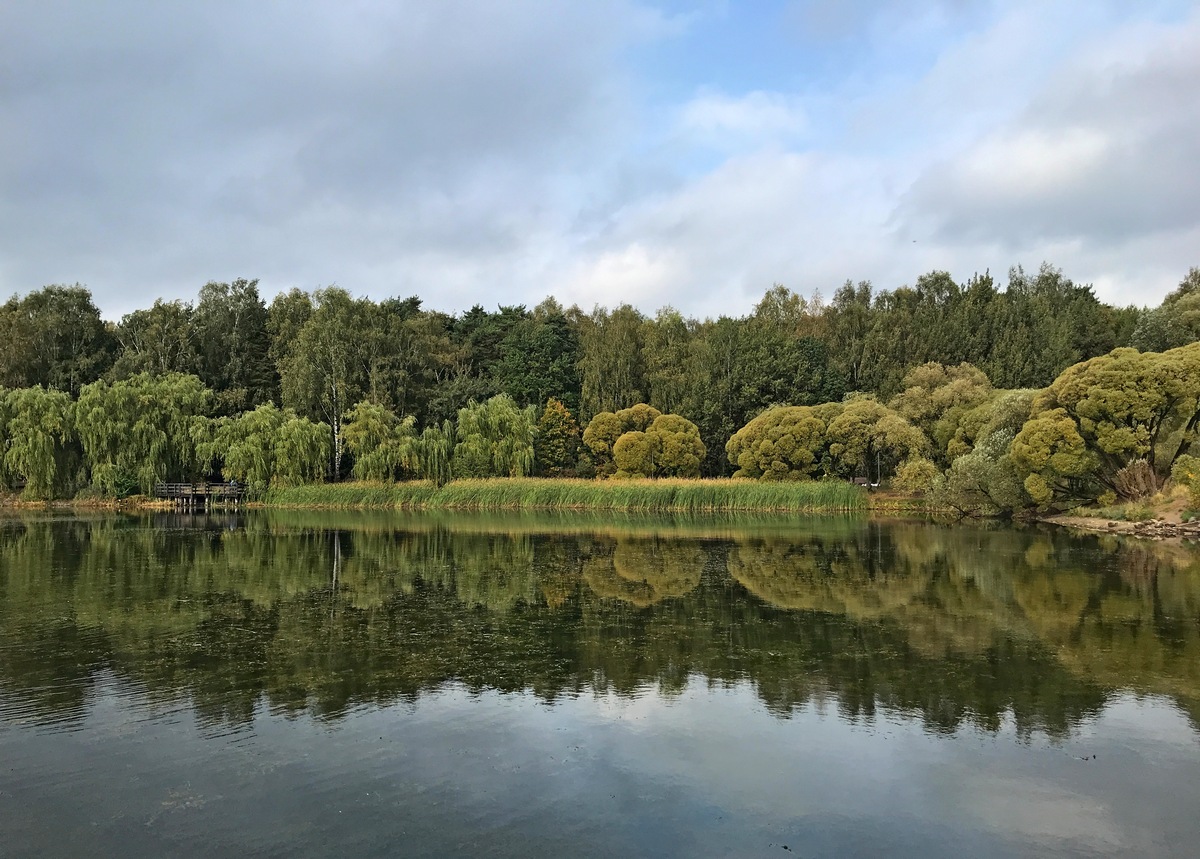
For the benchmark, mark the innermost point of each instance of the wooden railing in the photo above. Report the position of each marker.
(200, 494)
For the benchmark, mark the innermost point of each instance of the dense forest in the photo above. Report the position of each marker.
(869, 384)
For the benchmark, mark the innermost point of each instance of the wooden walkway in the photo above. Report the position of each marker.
(197, 496)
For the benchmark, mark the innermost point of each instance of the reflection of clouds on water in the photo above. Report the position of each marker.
(897, 788)
(1041, 812)
(1160, 726)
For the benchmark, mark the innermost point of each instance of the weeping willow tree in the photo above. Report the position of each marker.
(36, 426)
(495, 439)
(261, 447)
(435, 453)
(384, 446)
(302, 451)
(5, 417)
(141, 430)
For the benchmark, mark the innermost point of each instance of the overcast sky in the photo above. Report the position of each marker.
(683, 153)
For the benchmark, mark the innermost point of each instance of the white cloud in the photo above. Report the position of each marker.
(754, 118)
(496, 153)
(1097, 163)
(1016, 146)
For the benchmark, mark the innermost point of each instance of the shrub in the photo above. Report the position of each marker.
(916, 475)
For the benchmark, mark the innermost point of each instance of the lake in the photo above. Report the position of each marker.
(322, 683)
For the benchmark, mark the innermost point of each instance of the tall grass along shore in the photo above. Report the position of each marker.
(676, 496)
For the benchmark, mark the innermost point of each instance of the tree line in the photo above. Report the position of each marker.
(324, 385)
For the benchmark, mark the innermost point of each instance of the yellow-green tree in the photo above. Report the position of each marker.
(1055, 458)
(605, 428)
(670, 447)
(495, 439)
(384, 446)
(635, 454)
(936, 397)
(679, 450)
(141, 430)
(37, 433)
(783, 443)
(1103, 414)
(867, 438)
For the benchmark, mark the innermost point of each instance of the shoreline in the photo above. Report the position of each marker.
(587, 496)
(542, 494)
(1147, 529)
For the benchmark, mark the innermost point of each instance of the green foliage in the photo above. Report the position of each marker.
(302, 451)
(1186, 470)
(322, 354)
(324, 370)
(1176, 322)
(780, 359)
(783, 443)
(669, 346)
(36, 427)
(1103, 414)
(916, 475)
(606, 428)
(867, 437)
(141, 429)
(600, 436)
(632, 495)
(159, 340)
(264, 447)
(612, 359)
(494, 439)
(1055, 457)
(538, 359)
(556, 445)
(635, 454)
(986, 481)
(936, 398)
(384, 447)
(53, 337)
(435, 452)
(233, 344)
(638, 418)
(678, 450)
(1003, 410)
(5, 418)
(669, 447)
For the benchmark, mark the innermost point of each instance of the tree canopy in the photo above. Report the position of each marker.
(800, 387)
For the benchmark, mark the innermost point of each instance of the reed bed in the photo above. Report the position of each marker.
(528, 493)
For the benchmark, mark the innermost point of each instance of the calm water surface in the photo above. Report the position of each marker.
(404, 685)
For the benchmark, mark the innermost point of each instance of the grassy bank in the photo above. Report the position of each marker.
(16, 501)
(650, 496)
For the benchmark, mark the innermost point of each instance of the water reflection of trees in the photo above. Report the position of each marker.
(954, 625)
(645, 570)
